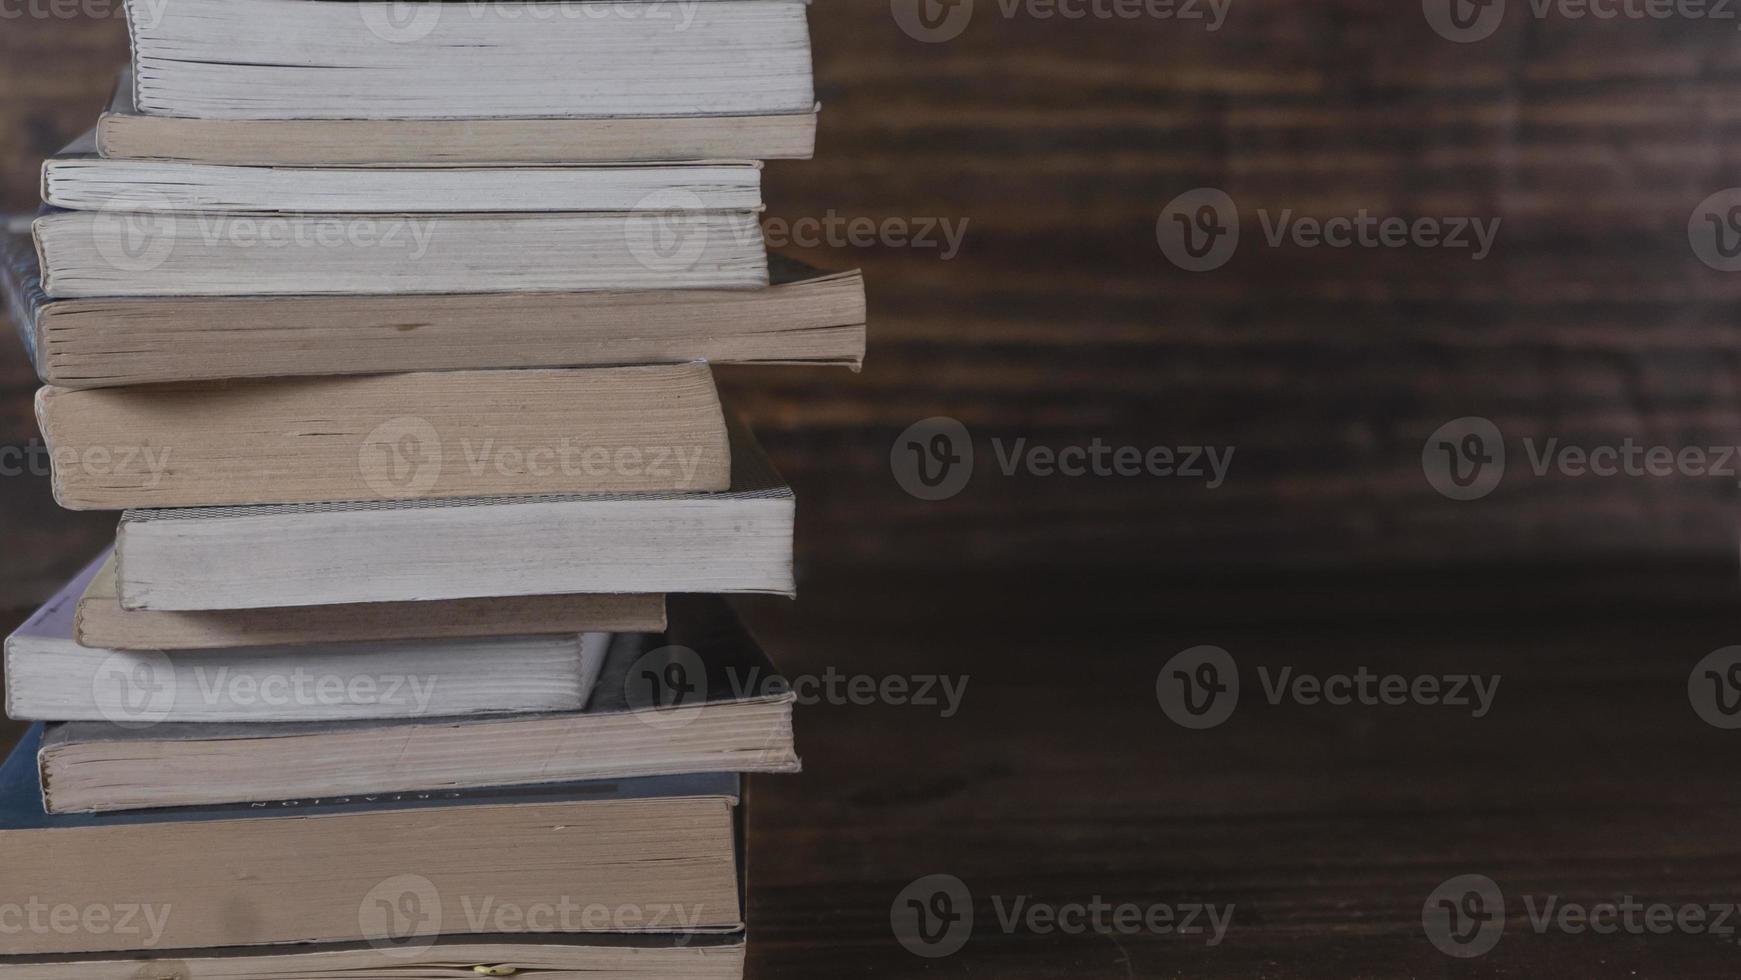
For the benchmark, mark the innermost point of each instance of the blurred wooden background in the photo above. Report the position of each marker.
(1059, 141)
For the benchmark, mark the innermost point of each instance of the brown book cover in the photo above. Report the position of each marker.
(387, 437)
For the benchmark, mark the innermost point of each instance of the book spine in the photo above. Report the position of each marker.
(25, 299)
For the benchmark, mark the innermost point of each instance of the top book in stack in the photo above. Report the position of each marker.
(568, 82)
(507, 147)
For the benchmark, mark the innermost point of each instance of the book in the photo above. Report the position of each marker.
(386, 437)
(136, 253)
(99, 620)
(21, 286)
(700, 956)
(123, 132)
(805, 316)
(391, 870)
(738, 541)
(78, 179)
(375, 59)
(51, 677)
(700, 698)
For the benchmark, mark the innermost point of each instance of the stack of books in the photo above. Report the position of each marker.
(389, 328)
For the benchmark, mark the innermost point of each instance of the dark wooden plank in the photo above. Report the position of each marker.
(1061, 779)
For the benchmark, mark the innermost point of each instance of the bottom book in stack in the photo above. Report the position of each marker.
(561, 803)
(601, 957)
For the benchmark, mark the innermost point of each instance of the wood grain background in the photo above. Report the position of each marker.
(1059, 141)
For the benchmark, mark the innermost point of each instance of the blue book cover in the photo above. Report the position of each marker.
(22, 284)
(21, 804)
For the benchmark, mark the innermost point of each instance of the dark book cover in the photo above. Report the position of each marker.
(21, 805)
(21, 280)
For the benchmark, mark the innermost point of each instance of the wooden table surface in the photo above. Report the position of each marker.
(1326, 828)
